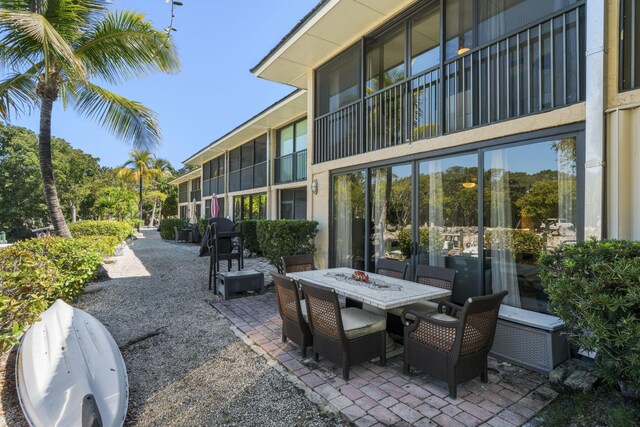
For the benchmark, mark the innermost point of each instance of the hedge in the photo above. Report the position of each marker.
(249, 231)
(594, 286)
(36, 272)
(286, 237)
(119, 229)
(166, 227)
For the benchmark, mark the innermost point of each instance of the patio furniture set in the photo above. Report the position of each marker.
(448, 341)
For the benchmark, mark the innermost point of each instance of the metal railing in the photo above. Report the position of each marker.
(291, 167)
(248, 177)
(339, 133)
(525, 72)
(533, 70)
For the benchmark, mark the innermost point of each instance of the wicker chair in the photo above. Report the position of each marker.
(293, 313)
(391, 268)
(440, 277)
(344, 336)
(453, 349)
(296, 263)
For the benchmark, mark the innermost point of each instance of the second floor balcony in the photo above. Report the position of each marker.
(532, 69)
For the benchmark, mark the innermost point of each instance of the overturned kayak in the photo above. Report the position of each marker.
(69, 371)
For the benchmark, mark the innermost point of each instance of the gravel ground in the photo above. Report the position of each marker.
(185, 365)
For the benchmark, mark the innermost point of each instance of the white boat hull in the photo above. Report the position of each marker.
(69, 371)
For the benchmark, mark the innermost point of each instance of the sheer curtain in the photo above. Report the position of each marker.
(492, 20)
(379, 211)
(503, 263)
(436, 214)
(343, 225)
(566, 180)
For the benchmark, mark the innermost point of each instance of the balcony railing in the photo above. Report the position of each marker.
(339, 133)
(529, 71)
(291, 167)
(248, 177)
(195, 195)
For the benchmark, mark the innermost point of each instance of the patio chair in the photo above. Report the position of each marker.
(347, 336)
(430, 275)
(293, 313)
(453, 349)
(391, 268)
(218, 244)
(296, 263)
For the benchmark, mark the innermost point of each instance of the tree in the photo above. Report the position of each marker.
(157, 196)
(138, 168)
(54, 48)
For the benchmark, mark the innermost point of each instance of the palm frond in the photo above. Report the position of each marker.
(17, 94)
(37, 28)
(124, 45)
(127, 119)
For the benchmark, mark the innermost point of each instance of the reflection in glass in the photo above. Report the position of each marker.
(448, 219)
(425, 42)
(349, 220)
(385, 63)
(529, 206)
(390, 213)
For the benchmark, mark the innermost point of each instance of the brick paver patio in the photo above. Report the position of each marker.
(385, 396)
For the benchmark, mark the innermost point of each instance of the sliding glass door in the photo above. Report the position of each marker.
(349, 220)
(448, 219)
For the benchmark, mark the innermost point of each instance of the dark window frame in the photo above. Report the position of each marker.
(293, 201)
(629, 34)
(257, 170)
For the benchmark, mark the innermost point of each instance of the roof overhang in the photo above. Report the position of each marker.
(288, 108)
(186, 177)
(331, 27)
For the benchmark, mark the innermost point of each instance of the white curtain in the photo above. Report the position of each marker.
(343, 226)
(566, 181)
(493, 19)
(436, 214)
(379, 211)
(503, 263)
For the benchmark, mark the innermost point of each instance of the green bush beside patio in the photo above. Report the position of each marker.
(166, 227)
(286, 237)
(119, 229)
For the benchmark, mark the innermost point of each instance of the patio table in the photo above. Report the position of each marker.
(382, 292)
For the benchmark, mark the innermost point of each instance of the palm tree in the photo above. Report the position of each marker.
(138, 168)
(164, 168)
(52, 49)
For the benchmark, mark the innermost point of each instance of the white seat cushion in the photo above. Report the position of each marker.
(358, 323)
(424, 307)
(444, 317)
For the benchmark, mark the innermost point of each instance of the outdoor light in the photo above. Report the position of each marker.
(463, 50)
(471, 183)
(314, 186)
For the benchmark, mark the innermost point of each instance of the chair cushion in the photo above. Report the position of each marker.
(358, 323)
(424, 307)
(444, 317)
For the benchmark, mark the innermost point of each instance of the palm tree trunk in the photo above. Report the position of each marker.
(140, 205)
(153, 213)
(46, 167)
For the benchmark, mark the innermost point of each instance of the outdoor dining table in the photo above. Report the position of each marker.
(381, 293)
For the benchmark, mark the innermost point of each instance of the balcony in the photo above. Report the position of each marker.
(249, 177)
(291, 167)
(532, 70)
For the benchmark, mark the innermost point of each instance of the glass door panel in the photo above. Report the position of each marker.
(448, 220)
(530, 194)
(390, 198)
(349, 220)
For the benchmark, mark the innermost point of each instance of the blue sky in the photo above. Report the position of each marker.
(218, 42)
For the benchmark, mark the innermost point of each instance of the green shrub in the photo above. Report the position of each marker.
(250, 235)
(594, 287)
(404, 239)
(286, 237)
(77, 261)
(202, 225)
(105, 246)
(28, 284)
(520, 242)
(119, 229)
(166, 227)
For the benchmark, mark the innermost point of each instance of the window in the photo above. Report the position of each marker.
(195, 190)
(207, 207)
(183, 192)
(183, 212)
(385, 62)
(338, 82)
(349, 223)
(250, 207)
(247, 165)
(629, 44)
(213, 177)
(293, 203)
(425, 42)
(291, 161)
(493, 19)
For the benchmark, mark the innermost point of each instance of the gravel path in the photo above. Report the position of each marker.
(185, 365)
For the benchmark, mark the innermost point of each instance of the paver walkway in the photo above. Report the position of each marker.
(385, 396)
